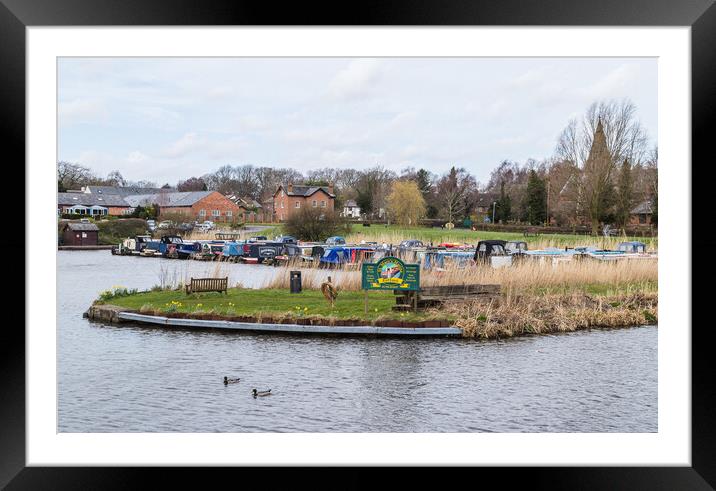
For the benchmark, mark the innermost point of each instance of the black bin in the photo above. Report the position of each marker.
(295, 282)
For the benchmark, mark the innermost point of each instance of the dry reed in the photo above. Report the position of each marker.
(512, 315)
(618, 276)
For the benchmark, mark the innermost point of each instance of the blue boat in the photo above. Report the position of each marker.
(233, 250)
(338, 255)
(186, 249)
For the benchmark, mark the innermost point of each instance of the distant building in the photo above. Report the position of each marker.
(195, 205)
(289, 199)
(95, 205)
(351, 209)
(80, 234)
(641, 214)
(250, 210)
(484, 206)
(122, 190)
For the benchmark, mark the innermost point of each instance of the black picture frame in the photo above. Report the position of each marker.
(16, 15)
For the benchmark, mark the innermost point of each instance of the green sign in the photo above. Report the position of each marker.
(390, 273)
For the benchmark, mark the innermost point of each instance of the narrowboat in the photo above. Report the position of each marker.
(493, 253)
(132, 245)
(342, 255)
(262, 252)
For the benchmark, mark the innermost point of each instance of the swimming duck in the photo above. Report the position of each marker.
(228, 380)
(261, 393)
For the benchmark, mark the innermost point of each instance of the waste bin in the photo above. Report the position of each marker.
(295, 282)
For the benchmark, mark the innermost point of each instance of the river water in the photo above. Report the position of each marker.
(147, 379)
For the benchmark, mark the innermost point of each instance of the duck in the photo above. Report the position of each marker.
(228, 380)
(261, 393)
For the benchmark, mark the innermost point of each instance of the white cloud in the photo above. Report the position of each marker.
(190, 142)
(356, 80)
(82, 111)
(614, 82)
(136, 157)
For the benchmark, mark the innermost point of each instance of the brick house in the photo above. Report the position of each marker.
(641, 214)
(290, 199)
(195, 205)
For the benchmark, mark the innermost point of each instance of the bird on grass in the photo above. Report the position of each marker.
(228, 380)
(329, 291)
(261, 393)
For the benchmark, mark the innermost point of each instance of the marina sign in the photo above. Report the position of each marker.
(390, 273)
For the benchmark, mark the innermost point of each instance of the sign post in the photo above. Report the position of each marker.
(390, 273)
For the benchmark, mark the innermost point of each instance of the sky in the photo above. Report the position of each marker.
(167, 119)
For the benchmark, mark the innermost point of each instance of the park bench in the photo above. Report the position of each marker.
(434, 296)
(531, 232)
(197, 285)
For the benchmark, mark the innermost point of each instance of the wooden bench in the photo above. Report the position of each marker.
(197, 285)
(433, 296)
(531, 232)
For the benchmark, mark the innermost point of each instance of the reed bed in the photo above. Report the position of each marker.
(535, 276)
(517, 315)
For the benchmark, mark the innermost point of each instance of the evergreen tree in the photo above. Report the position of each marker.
(535, 199)
(503, 208)
(364, 200)
(422, 178)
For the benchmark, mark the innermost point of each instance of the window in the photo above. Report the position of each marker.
(314, 203)
(202, 213)
(281, 205)
(229, 213)
(323, 203)
(298, 204)
(216, 213)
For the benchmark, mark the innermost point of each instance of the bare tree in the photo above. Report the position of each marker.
(71, 175)
(453, 190)
(607, 135)
(115, 178)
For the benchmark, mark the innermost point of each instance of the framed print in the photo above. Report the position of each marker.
(233, 191)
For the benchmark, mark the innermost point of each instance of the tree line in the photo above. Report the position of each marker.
(600, 169)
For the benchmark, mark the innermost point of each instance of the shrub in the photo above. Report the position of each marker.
(116, 292)
(315, 224)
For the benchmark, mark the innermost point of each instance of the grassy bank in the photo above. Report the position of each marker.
(268, 303)
(509, 315)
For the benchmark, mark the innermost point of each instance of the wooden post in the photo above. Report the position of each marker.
(415, 300)
(365, 301)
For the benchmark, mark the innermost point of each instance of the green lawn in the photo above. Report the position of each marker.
(249, 302)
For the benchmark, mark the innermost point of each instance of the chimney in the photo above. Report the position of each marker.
(330, 188)
(290, 188)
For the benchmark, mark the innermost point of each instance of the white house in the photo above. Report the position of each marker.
(351, 209)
